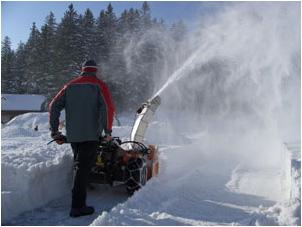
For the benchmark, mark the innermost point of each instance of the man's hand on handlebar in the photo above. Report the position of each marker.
(58, 137)
(107, 138)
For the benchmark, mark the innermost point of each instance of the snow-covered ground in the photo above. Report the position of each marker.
(28, 165)
(199, 183)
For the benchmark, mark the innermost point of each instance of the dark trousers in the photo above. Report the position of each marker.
(84, 156)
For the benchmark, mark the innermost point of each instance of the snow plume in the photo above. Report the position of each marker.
(241, 87)
(238, 96)
(243, 78)
(233, 99)
(156, 37)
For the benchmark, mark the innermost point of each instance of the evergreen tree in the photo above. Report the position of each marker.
(146, 15)
(48, 56)
(33, 61)
(7, 64)
(122, 26)
(19, 69)
(130, 58)
(134, 21)
(106, 33)
(178, 31)
(68, 46)
(87, 26)
(101, 43)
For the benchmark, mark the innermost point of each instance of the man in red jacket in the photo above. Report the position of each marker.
(89, 112)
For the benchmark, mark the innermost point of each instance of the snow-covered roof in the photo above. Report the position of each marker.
(16, 102)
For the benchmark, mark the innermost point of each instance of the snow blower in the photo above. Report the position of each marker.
(130, 163)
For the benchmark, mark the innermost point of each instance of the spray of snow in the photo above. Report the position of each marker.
(243, 79)
(225, 113)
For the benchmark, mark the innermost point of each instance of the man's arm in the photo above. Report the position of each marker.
(55, 107)
(108, 114)
(103, 114)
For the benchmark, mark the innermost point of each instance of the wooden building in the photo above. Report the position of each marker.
(14, 104)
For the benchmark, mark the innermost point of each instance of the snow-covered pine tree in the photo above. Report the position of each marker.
(88, 30)
(33, 62)
(7, 65)
(146, 15)
(68, 46)
(101, 44)
(124, 81)
(129, 52)
(178, 31)
(134, 21)
(19, 68)
(48, 78)
(141, 61)
(106, 34)
(116, 66)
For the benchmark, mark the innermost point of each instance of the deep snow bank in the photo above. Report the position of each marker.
(209, 176)
(206, 184)
(191, 188)
(32, 172)
(287, 211)
(200, 181)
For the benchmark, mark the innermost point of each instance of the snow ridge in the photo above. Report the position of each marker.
(33, 173)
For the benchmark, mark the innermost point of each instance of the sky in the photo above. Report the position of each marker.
(17, 16)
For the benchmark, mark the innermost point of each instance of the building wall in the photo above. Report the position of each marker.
(6, 116)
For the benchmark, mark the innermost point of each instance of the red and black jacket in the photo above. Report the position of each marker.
(88, 107)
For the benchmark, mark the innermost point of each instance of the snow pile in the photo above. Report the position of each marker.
(290, 209)
(200, 182)
(285, 212)
(33, 173)
(191, 188)
(286, 188)
(255, 182)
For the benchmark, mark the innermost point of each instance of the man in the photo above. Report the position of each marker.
(89, 111)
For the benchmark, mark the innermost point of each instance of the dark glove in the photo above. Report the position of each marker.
(107, 137)
(58, 137)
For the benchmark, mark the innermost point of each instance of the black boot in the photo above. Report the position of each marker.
(77, 212)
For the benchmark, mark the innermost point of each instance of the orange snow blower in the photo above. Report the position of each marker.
(131, 163)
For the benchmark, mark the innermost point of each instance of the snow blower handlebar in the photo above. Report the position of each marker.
(62, 138)
(58, 136)
(114, 142)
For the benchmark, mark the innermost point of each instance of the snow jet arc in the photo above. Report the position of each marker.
(240, 79)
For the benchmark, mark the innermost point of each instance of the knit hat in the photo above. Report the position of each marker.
(89, 66)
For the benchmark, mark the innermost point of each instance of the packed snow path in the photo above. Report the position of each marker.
(103, 198)
(199, 183)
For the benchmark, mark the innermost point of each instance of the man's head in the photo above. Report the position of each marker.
(89, 66)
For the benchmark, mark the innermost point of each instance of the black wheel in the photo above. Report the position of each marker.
(137, 170)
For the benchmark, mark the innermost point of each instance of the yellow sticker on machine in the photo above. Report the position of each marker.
(99, 161)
